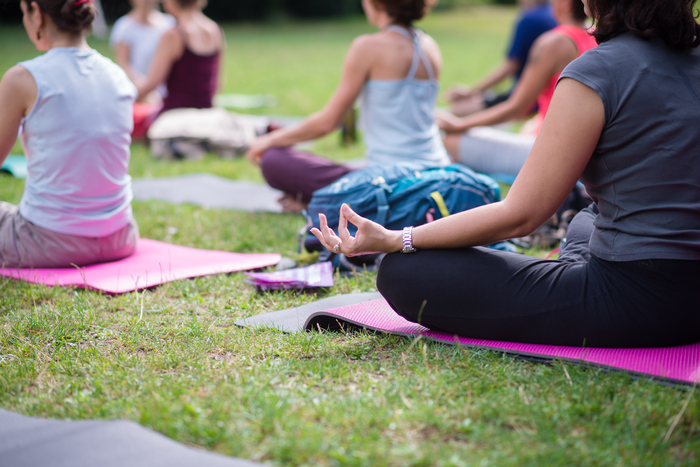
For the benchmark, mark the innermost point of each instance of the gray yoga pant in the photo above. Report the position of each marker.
(577, 300)
(491, 151)
(24, 244)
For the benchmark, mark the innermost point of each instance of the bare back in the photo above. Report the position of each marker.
(202, 35)
(392, 55)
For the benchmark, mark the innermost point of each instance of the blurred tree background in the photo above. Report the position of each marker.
(252, 10)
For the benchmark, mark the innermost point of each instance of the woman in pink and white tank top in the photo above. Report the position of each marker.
(74, 109)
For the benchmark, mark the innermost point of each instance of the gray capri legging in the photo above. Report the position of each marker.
(24, 244)
(491, 151)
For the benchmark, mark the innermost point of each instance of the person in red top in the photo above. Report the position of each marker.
(496, 152)
(187, 59)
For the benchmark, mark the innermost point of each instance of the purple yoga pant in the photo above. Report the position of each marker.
(297, 173)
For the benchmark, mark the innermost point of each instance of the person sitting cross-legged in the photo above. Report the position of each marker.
(395, 74)
(74, 108)
(628, 273)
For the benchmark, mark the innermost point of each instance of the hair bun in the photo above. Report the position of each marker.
(405, 12)
(69, 15)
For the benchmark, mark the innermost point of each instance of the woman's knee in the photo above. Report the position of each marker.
(272, 163)
(395, 280)
(451, 142)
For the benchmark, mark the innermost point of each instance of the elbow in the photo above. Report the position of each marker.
(523, 229)
(522, 223)
(322, 124)
(327, 127)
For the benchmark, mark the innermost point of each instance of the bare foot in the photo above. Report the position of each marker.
(291, 205)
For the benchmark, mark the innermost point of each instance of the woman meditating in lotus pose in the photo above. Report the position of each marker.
(623, 119)
(395, 73)
(135, 38)
(493, 151)
(74, 109)
(187, 60)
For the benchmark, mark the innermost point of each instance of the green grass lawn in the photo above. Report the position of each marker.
(171, 359)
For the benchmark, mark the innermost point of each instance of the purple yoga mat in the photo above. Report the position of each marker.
(152, 264)
(674, 364)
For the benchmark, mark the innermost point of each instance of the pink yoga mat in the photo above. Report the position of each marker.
(675, 364)
(152, 264)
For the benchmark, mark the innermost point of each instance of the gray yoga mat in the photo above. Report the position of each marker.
(32, 442)
(209, 191)
(293, 319)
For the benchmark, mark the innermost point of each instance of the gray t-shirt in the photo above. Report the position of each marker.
(645, 172)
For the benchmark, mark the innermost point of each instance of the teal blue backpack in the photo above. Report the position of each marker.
(400, 195)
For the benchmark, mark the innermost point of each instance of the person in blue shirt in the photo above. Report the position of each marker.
(535, 19)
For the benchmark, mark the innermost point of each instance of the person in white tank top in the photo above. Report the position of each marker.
(74, 109)
(135, 38)
(395, 73)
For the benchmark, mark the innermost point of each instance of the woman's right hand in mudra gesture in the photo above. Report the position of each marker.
(370, 237)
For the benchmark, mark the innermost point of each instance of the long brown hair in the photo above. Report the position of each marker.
(66, 15)
(674, 21)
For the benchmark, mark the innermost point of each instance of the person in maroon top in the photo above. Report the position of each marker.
(187, 59)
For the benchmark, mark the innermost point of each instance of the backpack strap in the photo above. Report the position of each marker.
(382, 206)
(382, 203)
(440, 202)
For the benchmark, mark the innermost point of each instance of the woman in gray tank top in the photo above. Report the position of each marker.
(623, 120)
(395, 74)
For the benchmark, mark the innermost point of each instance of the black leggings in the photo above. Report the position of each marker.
(577, 300)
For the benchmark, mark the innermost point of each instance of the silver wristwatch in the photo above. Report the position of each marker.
(408, 240)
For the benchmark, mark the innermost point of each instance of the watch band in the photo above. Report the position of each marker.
(408, 240)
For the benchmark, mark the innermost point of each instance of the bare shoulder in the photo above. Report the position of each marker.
(171, 36)
(18, 79)
(367, 42)
(554, 42)
(429, 44)
(18, 88)
(427, 40)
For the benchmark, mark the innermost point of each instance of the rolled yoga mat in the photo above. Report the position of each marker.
(670, 364)
(31, 442)
(209, 191)
(153, 263)
(16, 166)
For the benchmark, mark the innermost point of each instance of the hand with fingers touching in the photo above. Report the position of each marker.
(449, 123)
(460, 92)
(370, 237)
(256, 150)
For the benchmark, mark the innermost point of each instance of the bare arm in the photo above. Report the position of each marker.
(547, 58)
(505, 69)
(564, 146)
(222, 62)
(170, 49)
(18, 93)
(122, 52)
(355, 73)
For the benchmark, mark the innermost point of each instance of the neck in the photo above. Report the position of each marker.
(58, 39)
(185, 15)
(384, 20)
(142, 14)
(565, 18)
(573, 22)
